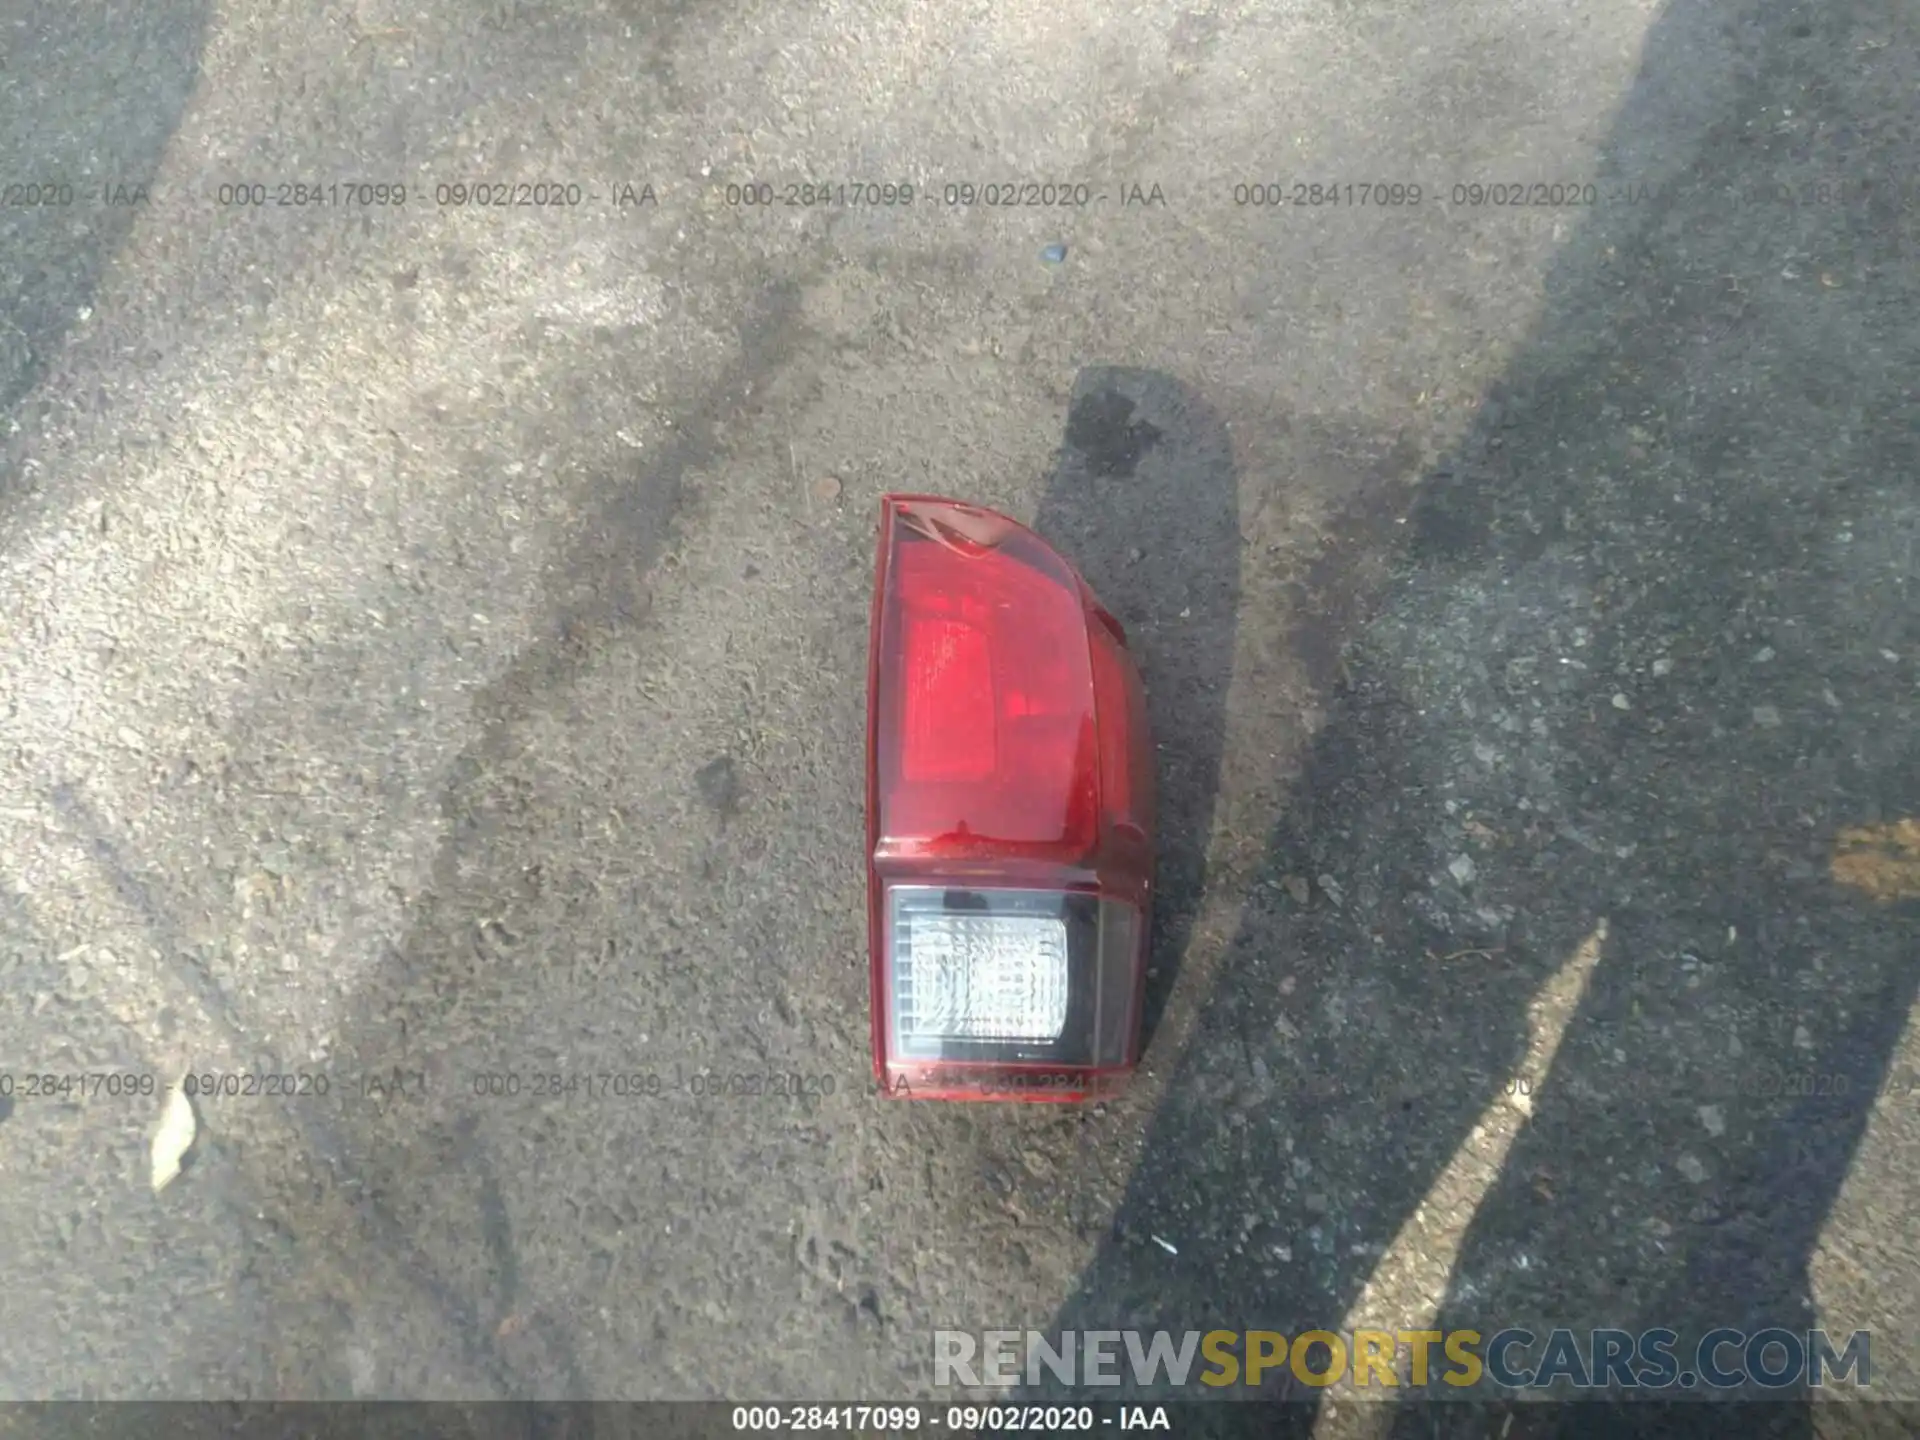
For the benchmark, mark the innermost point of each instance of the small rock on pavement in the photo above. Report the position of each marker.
(1296, 886)
(1462, 869)
(1691, 1168)
(1714, 1118)
(1766, 717)
(826, 489)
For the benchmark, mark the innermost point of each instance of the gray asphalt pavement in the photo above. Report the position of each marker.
(432, 658)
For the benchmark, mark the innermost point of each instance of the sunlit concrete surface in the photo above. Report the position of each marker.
(432, 640)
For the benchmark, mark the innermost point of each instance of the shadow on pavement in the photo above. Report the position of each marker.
(1144, 501)
(1645, 655)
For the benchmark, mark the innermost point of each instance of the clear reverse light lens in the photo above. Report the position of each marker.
(976, 976)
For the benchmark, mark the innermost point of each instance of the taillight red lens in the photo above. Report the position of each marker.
(1009, 815)
(949, 686)
(988, 726)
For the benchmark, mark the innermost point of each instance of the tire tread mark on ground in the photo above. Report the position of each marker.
(600, 599)
(91, 830)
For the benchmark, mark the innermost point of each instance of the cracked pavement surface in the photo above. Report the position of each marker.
(432, 644)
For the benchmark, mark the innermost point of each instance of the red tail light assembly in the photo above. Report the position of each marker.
(1009, 816)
